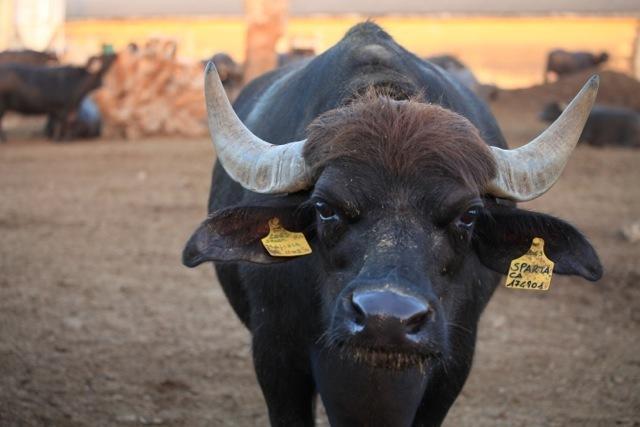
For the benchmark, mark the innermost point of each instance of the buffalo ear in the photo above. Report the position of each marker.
(234, 234)
(505, 234)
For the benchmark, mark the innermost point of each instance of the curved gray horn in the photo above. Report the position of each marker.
(253, 163)
(529, 171)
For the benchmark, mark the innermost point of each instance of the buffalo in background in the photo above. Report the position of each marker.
(231, 73)
(464, 75)
(295, 55)
(563, 63)
(55, 91)
(29, 57)
(605, 126)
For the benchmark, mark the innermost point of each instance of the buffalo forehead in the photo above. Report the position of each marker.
(381, 138)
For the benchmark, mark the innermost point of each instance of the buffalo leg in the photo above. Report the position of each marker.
(61, 130)
(287, 387)
(237, 296)
(62, 134)
(436, 403)
(446, 383)
(3, 137)
(56, 125)
(50, 127)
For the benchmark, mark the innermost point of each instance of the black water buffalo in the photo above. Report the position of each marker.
(56, 91)
(401, 182)
(458, 69)
(295, 55)
(563, 63)
(605, 125)
(29, 57)
(461, 72)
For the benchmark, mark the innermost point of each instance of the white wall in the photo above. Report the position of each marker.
(119, 8)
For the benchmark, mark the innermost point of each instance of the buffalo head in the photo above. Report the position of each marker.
(411, 217)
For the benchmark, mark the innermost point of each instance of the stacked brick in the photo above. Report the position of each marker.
(149, 92)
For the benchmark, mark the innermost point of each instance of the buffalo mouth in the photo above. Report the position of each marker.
(385, 358)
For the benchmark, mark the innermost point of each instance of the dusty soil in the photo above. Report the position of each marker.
(100, 324)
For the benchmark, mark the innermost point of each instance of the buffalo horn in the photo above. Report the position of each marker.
(255, 164)
(529, 171)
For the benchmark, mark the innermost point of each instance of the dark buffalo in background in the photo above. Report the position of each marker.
(133, 47)
(454, 66)
(55, 91)
(29, 57)
(563, 63)
(464, 74)
(605, 126)
(84, 123)
(231, 73)
(409, 239)
(294, 55)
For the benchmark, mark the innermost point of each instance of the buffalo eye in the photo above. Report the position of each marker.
(468, 217)
(325, 211)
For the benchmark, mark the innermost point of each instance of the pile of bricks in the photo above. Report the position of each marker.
(149, 92)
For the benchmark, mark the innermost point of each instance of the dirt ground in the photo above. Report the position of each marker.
(101, 325)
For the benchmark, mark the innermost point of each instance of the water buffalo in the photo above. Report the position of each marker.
(294, 55)
(563, 63)
(461, 72)
(401, 182)
(56, 91)
(29, 57)
(605, 125)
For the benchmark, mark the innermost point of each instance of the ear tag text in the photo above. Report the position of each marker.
(532, 270)
(281, 242)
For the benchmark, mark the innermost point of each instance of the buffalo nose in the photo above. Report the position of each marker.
(389, 313)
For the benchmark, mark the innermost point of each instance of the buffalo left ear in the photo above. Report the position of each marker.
(505, 234)
(235, 233)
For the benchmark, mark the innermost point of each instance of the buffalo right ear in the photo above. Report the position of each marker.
(235, 234)
(502, 235)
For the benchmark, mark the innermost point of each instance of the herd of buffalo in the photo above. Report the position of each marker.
(35, 83)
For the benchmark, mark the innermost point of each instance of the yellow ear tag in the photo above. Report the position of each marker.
(281, 242)
(532, 270)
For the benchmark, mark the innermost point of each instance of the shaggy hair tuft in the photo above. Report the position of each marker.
(405, 138)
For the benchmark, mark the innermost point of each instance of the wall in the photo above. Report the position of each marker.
(509, 51)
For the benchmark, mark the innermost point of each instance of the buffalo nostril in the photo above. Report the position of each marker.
(416, 322)
(359, 314)
(384, 309)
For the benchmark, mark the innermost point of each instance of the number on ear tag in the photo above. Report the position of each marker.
(532, 270)
(281, 242)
